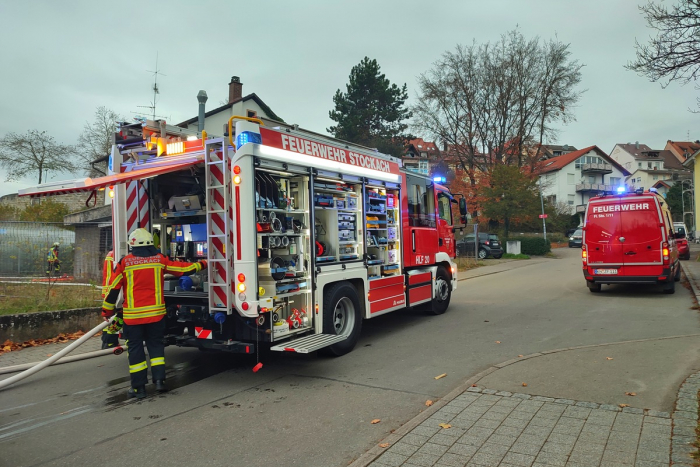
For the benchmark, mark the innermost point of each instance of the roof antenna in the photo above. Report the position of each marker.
(156, 91)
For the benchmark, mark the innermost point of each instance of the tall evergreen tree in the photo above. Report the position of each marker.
(372, 111)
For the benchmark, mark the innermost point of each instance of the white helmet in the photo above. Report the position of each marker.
(56, 244)
(140, 237)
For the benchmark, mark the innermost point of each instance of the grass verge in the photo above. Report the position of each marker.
(27, 298)
(512, 256)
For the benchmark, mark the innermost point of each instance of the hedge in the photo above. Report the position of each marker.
(533, 245)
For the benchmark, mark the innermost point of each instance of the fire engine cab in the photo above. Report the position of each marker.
(305, 235)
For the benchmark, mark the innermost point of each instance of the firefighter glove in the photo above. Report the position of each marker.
(107, 313)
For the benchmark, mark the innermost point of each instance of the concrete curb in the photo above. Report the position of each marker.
(691, 280)
(371, 455)
(685, 422)
(47, 324)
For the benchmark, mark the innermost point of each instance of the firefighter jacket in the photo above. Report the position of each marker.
(141, 279)
(52, 255)
(107, 272)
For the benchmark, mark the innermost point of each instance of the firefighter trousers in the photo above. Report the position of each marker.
(152, 334)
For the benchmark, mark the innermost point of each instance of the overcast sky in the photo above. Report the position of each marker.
(60, 60)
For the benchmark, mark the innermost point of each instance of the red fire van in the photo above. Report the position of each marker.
(629, 238)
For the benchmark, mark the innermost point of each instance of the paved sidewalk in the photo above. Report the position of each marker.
(41, 352)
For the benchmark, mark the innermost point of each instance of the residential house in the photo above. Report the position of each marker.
(626, 154)
(419, 155)
(554, 150)
(216, 120)
(576, 177)
(682, 149)
(694, 185)
(652, 166)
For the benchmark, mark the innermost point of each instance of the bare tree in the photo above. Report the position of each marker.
(493, 102)
(674, 54)
(95, 142)
(35, 152)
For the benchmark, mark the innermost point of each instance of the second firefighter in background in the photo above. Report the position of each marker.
(140, 276)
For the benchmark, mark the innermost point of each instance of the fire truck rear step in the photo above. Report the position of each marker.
(309, 344)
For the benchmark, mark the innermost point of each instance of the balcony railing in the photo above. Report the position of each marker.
(581, 208)
(594, 187)
(596, 168)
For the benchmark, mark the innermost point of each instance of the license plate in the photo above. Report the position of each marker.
(605, 271)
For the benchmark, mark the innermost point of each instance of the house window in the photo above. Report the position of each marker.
(639, 165)
(570, 179)
(615, 181)
(591, 179)
(571, 200)
(648, 165)
(654, 177)
(251, 113)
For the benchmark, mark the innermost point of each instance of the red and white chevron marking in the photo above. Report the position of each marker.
(217, 226)
(201, 333)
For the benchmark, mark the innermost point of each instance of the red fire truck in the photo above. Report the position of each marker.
(306, 236)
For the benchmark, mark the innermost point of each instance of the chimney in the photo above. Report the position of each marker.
(235, 89)
(636, 144)
(444, 146)
(202, 99)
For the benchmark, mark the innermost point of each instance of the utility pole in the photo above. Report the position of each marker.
(544, 221)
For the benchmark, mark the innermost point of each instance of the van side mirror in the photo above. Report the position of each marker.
(463, 206)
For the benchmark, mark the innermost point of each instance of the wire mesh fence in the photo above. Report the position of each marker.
(466, 241)
(25, 247)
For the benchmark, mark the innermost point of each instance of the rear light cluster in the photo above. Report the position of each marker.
(584, 254)
(241, 291)
(665, 251)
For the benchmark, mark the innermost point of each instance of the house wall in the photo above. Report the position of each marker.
(622, 157)
(214, 124)
(647, 178)
(696, 194)
(560, 183)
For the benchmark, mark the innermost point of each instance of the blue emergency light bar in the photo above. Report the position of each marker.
(439, 179)
(621, 189)
(248, 137)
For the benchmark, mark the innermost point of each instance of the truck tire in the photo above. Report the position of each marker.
(341, 314)
(677, 277)
(444, 292)
(593, 287)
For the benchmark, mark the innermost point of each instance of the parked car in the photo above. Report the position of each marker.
(683, 248)
(489, 245)
(680, 227)
(576, 239)
(570, 232)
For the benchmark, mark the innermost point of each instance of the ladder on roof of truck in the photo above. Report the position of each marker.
(217, 185)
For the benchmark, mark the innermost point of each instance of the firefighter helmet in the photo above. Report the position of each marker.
(140, 237)
(56, 244)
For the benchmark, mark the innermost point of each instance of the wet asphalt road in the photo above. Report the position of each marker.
(312, 411)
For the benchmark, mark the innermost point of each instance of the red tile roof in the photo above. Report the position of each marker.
(635, 149)
(684, 149)
(559, 162)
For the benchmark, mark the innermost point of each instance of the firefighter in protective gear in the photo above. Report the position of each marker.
(110, 335)
(139, 275)
(53, 265)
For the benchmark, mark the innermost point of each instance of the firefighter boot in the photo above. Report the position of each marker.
(160, 386)
(138, 393)
(109, 341)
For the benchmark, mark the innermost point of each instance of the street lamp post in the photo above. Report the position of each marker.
(544, 223)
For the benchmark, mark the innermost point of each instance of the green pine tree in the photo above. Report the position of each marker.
(372, 111)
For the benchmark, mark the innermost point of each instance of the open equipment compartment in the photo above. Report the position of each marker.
(283, 252)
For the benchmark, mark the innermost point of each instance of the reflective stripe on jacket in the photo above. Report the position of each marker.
(107, 272)
(52, 255)
(141, 279)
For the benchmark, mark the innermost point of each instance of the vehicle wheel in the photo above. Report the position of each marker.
(593, 287)
(443, 294)
(670, 287)
(498, 257)
(686, 257)
(677, 277)
(482, 253)
(341, 315)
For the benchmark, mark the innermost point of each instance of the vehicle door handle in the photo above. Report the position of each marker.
(440, 242)
(631, 253)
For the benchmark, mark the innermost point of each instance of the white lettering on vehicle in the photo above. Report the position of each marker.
(621, 207)
(310, 148)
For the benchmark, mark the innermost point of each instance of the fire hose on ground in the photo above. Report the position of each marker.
(54, 359)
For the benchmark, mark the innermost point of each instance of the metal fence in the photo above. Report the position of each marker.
(24, 248)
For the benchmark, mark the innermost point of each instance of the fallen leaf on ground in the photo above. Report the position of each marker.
(519, 355)
(630, 394)
(624, 405)
(384, 445)
(9, 346)
(445, 425)
(473, 385)
(428, 403)
(376, 420)
(524, 384)
(441, 376)
(498, 342)
(608, 358)
(49, 354)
